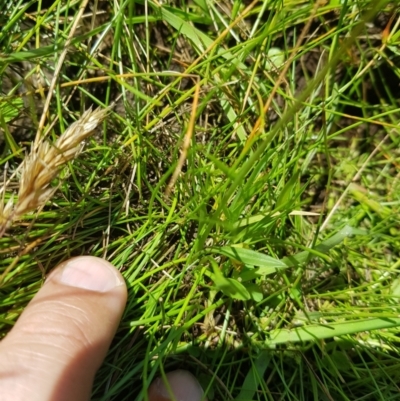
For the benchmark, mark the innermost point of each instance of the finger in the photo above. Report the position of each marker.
(62, 337)
(181, 386)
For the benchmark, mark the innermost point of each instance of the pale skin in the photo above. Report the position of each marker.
(62, 337)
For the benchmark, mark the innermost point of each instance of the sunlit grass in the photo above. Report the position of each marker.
(269, 268)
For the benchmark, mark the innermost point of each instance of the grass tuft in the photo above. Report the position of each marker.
(245, 182)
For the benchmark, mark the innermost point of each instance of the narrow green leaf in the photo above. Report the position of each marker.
(317, 332)
(250, 257)
(9, 109)
(250, 220)
(285, 195)
(323, 247)
(44, 51)
(202, 4)
(233, 118)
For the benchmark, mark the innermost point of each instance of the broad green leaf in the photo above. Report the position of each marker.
(340, 360)
(267, 265)
(360, 194)
(235, 290)
(255, 292)
(247, 273)
(276, 58)
(198, 38)
(252, 258)
(395, 290)
(230, 287)
(254, 377)
(172, 16)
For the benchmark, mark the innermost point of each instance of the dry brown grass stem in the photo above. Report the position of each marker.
(186, 142)
(258, 125)
(43, 165)
(57, 71)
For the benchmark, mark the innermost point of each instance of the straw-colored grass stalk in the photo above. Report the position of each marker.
(44, 163)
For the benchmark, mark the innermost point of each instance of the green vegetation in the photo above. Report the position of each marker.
(246, 183)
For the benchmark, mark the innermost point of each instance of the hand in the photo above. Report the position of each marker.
(62, 337)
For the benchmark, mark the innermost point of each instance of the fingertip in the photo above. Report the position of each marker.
(183, 385)
(88, 273)
(64, 333)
